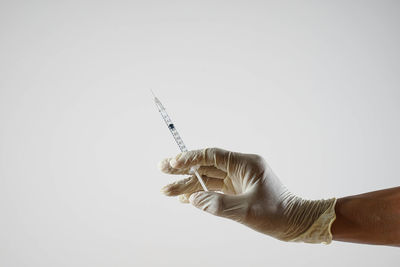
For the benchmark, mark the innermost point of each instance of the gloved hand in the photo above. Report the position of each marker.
(249, 193)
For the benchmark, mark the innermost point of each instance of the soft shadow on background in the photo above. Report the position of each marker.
(311, 86)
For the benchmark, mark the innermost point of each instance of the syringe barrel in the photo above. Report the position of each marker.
(177, 138)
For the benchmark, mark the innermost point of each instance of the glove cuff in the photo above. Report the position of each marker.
(320, 230)
(308, 221)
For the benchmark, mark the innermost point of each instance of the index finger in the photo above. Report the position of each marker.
(216, 157)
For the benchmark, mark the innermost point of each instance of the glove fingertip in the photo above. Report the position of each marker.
(183, 199)
(173, 162)
(195, 197)
(165, 190)
(177, 162)
(162, 165)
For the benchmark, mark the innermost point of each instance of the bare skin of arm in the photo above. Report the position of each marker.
(370, 218)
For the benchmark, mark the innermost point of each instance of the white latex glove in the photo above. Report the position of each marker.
(250, 194)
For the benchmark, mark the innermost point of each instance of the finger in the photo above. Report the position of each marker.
(227, 206)
(191, 185)
(227, 188)
(184, 198)
(209, 171)
(166, 167)
(205, 157)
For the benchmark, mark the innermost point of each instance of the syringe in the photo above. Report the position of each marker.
(176, 136)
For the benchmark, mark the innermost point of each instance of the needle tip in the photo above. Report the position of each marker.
(152, 93)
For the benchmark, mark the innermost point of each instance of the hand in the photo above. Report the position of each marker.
(250, 194)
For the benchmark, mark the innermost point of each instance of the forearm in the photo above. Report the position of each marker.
(370, 218)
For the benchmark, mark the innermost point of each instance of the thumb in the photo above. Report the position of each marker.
(227, 206)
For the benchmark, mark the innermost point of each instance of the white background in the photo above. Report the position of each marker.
(313, 86)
